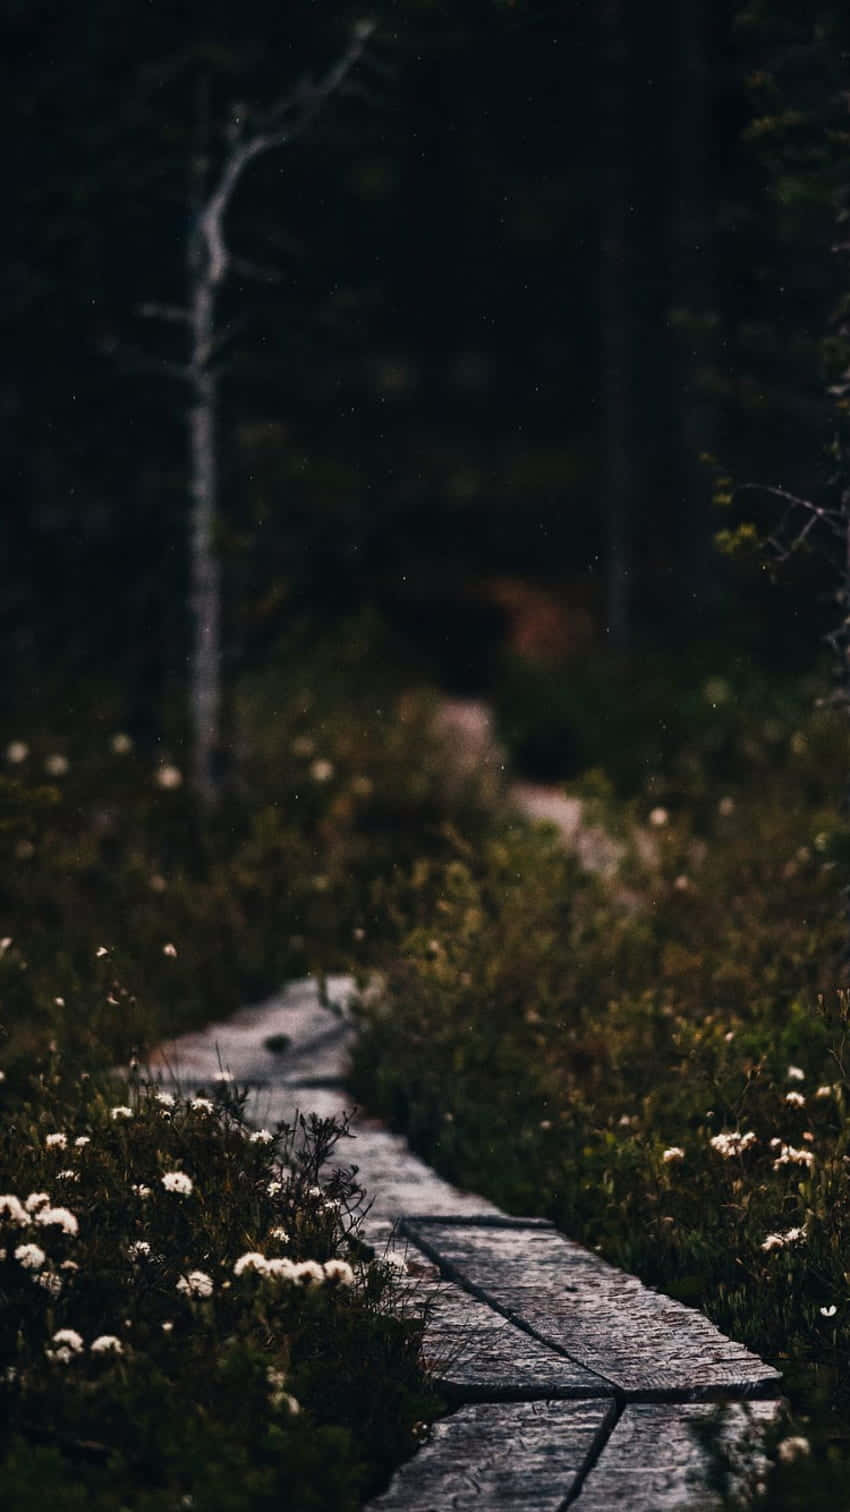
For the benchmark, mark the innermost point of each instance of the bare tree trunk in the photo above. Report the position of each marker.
(204, 682)
(615, 319)
(248, 135)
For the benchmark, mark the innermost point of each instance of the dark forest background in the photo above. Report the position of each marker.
(526, 268)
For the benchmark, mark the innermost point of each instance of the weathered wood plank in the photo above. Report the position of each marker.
(655, 1460)
(500, 1457)
(645, 1343)
(239, 1044)
(476, 1354)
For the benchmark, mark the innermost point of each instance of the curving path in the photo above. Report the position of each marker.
(571, 1383)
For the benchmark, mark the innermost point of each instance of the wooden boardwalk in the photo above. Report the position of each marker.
(571, 1383)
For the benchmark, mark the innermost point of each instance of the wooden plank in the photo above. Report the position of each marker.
(500, 1457)
(476, 1354)
(239, 1046)
(646, 1344)
(656, 1460)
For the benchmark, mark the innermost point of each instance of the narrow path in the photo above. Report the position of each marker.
(572, 1383)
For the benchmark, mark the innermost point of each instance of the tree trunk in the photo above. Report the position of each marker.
(205, 587)
(615, 318)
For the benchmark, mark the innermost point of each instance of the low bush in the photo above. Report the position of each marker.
(658, 1061)
(187, 1315)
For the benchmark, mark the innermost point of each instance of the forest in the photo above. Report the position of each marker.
(370, 372)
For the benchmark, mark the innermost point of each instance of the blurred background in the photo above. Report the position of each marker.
(525, 269)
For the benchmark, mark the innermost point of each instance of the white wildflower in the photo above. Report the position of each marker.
(824, 1091)
(179, 1182)
(788, 1155)
(81, 1141)
(321, 770)
(795, 1099)
(56, 1141)
(196, 1284)
(732, 1142)
(121, 744)
(781, 1241)
(68, 1344)
(139, 1250)
(169, 777)
(121, 1111)
(169, 950)
(829, 1312)
(17, 751)
(69, 1265)
(140, 1190)
(167, 1327)
(793, 1448)
(60, 1217)
(56, 766)
(166, 1099)
(35, 1201)
(252, 1260)
(69, 1175)
(279, 1233)
(281, 1269)
(101, 952)
(106, 1344)
(395, 1264)
(59, 1001)
(30, 1256)
(659, 817)
(675, 1152)
(339, 1271)
(202, 1105)
(274, 1187)
(308, 1273)
(12, 1210)
(261, 1136)
(795, 1073)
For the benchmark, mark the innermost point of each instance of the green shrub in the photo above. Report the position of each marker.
(657, 1061)
(187, 1317)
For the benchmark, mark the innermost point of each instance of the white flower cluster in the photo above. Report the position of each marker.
(35, 1209)
(178, 1182)
(781, 1241)
(675, 1152)
(732, 1143)
(795, 1099)
(788, 1155)
(196, 1284)
(68, 1344)
(299, 1272)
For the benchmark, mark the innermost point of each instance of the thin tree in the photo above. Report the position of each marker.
(249, 135)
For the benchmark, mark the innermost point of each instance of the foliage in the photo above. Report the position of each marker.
(195, 916)
(657, 1061)
(229, 1383)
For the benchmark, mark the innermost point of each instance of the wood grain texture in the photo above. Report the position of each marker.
(644, 1343)
(656, 1459)
(500, 1457)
